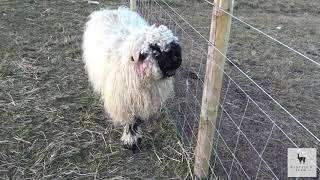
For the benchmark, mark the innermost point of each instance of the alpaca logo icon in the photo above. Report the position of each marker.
(302, 162)
(301, 159)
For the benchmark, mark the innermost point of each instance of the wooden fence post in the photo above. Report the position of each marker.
(133, 5)
(219, 37)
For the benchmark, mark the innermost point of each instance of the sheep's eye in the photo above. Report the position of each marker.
(155, 53)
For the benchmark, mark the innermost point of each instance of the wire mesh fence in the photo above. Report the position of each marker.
(254, 130)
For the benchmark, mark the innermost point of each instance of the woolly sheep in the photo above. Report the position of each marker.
(130, 64)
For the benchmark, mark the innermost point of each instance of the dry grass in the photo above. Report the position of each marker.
(53, 126)
(51, 123)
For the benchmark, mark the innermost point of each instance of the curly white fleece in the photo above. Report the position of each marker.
(129, 88)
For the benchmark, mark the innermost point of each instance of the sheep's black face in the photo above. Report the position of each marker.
(169, 59)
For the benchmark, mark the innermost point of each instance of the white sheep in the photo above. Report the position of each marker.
(131, 65)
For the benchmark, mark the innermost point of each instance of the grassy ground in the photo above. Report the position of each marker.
(51, 123)
(53, 126)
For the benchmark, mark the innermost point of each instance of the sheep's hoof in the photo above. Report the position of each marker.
(132, 136)
(135, 147)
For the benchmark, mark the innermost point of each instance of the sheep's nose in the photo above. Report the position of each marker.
(169, 73)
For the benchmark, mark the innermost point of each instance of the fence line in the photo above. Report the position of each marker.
(233, 154)
(249, 79)
(221, 105)
(247, 76)
(265, 34)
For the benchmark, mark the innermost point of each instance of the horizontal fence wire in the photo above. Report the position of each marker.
(246, 133)
(265, 34)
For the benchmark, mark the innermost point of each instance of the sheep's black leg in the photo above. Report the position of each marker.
(132, 136)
